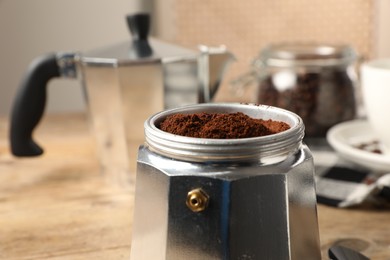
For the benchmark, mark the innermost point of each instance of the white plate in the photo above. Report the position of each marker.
(346, 136)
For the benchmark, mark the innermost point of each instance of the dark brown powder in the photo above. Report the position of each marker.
(220, 126)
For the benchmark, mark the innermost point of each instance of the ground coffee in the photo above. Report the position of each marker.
(220, 126)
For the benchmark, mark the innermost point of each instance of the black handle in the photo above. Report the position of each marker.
(29, 105)
(139, 25)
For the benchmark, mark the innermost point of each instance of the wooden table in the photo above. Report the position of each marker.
(59, 206)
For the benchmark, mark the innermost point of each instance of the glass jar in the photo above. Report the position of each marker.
(315, 81)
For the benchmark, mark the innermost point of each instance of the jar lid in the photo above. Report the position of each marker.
(305, 54)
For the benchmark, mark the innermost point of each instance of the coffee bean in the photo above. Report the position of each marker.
(321, 98)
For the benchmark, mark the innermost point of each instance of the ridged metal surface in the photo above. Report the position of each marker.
(199, 149)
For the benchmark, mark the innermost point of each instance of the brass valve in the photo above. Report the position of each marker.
(197, 200)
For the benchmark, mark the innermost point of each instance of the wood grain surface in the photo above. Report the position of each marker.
(60, 206)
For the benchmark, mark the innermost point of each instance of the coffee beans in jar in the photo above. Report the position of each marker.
(317, 82)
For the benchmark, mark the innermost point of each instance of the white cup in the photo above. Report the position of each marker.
(375, 84)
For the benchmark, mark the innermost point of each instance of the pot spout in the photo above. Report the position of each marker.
(213, 64)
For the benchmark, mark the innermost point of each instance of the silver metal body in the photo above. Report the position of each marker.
(117, 85)
(260, 193)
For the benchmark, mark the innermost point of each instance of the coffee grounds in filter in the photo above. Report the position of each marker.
(220, 126)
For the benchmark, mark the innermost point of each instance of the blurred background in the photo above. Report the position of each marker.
(31, 28)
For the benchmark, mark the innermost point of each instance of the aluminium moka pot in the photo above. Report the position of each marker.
(249, 198)
(140, 76)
